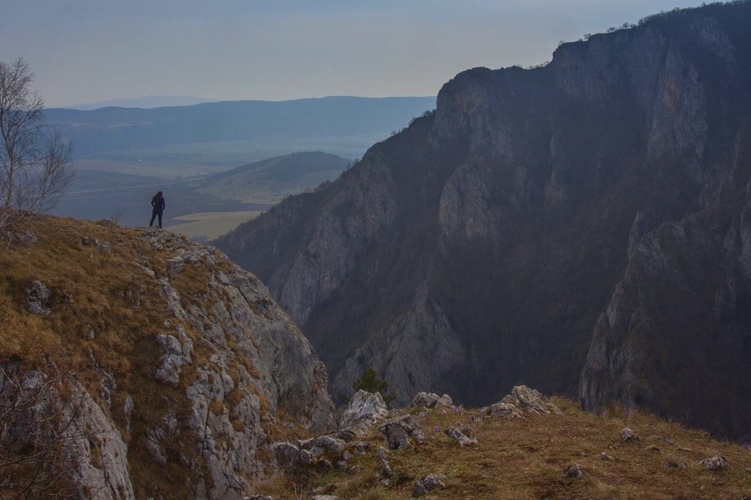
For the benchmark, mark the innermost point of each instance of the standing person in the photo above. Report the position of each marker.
(158, 203)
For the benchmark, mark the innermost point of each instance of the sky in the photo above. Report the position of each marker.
(84, 51)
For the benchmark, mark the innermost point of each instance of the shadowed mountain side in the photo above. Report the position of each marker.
(477, 249)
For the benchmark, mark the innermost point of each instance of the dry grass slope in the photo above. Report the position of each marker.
(107, 312)
(106, 315)
(526, 458)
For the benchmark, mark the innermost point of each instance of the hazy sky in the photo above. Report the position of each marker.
(95, 50)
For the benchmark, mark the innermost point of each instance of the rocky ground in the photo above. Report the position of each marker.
(524, 446)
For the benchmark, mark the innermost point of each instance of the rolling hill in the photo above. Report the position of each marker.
(270, 180)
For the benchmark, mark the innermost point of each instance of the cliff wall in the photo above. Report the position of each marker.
(490, 242)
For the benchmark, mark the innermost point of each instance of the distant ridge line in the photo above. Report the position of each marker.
(153, 102)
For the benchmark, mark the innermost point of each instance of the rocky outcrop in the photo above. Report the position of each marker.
(365, 410)
(207, 368)
(527, 229)
(97, 453)
(522, 402)
(259, 364)
(431, 400)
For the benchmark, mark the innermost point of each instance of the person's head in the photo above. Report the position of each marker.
(159, 194)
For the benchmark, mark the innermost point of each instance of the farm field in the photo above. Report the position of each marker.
(210, 225)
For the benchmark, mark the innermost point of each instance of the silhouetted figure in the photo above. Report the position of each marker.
(158, 203)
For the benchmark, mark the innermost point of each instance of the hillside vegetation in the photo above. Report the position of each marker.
(527, 458)
(166, 368)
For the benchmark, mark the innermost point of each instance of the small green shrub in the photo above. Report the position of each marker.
(370, 382)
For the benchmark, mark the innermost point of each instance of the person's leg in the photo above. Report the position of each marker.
(160, 220)
(153, 216)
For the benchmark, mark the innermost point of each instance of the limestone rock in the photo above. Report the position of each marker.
(399, 431)
(38, 298)
(384, 461)
(286, 454)
(328, 443)
(423, 328)
(365, 410)
(717, 462)
(574, 471)
(27, 237)
(429, 482)
(520, 229)
(628, 435)
(102, 247)
(176, 354)
(431, 400)
(223, 363)
(505, 410)
(460, 437)
(175, 265)
(522, 401)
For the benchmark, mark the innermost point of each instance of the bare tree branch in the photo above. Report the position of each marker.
(35, 167)
(36, 413)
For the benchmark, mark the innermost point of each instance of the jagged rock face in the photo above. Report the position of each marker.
(246, 324)
(675, 334)
(495, 232)
(221, 368)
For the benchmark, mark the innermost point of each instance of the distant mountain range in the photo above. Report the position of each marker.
(123, 155)
(341, 125)
(148, 102)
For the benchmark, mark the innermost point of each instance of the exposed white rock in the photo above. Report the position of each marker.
(365, 410)
(38, 298)
(522, 401)
(423, 329)
(429, 482)
(717, 462)
(431, 400)
(460, 437)
(97, 454)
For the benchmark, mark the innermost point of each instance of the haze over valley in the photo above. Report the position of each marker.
(124, 155)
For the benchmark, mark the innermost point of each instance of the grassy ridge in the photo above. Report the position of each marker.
(106, 314)
(526, 458)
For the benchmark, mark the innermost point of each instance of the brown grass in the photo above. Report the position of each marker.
(525, 459)
(109, 295)
(106, 314)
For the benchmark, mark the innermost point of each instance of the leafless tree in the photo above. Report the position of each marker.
(35, 166)
(35, 416)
